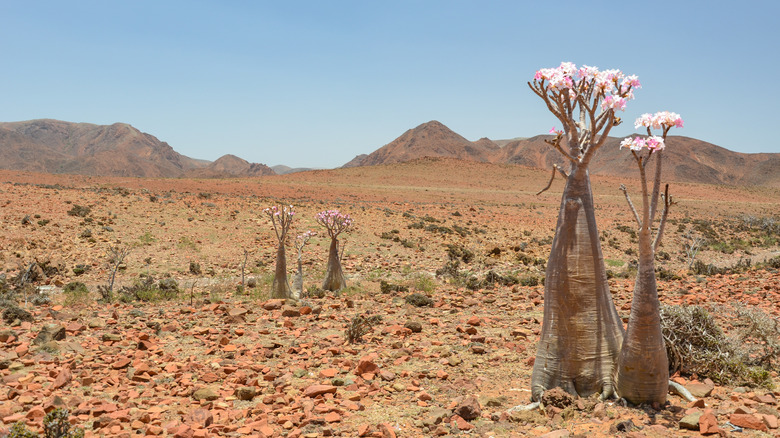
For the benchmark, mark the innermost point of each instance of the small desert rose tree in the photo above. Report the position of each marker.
(281, 218)
(335, 223)
(300, 242)
(643, 368)
(581, 331)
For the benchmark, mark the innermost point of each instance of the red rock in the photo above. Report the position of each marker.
(121, 363)
(364, 430)
(770, 421)
(315, 390)
(332, 417)
(209, 378)
(201, 417)
(328, 373)
(474, 320)
(387, 430)
(367, 365)
(35, 413)
(708, 424)
(183, 431)
(748, 421)
(469, 408)
(273, 304)
(765, 398)
(63, 378)
(387, 375)
(460, 423)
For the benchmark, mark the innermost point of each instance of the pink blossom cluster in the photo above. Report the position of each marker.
(659, 120)
(306, 236)
(334, 220)
(274, 211)
(613, 85)
(653, 143)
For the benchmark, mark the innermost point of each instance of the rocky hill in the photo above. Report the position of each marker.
(54, 146)
(429, 139)
(687, 159)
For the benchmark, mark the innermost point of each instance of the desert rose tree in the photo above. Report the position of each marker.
(581, 332)
(335, 223)
(643, 368)
(301, 242)
(281, 220)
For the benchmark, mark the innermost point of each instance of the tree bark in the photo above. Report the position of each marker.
(280, 287)
(643, 368)
(334, 278)
(582, 332)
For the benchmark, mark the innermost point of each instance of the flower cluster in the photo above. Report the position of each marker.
(659, 120)
(307, 235)
(653, 143)
(334, 221)
(275, 212)
(615, 87)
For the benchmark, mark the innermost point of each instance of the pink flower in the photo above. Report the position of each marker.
(552, 130)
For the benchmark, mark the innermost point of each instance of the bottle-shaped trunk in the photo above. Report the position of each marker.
(643, 368)
(280, 287)
(581, 332)
(334, 278)
(298, 282)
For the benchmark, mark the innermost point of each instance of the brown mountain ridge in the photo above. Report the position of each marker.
(686, 159)
(54, 146)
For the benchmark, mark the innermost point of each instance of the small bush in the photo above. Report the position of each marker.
(419, 300)
(386, 287)
(79, 211)
(75, 293)
(696, 345)
(359, 327)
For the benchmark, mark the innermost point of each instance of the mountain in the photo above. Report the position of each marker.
(429, 139)
(230, 166)
(54, 146)
(281, 169)
(686, 159)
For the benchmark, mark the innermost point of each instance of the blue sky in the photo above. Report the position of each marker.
(314, 83)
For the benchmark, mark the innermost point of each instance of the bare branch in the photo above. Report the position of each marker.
(667, 203)
(556, 142)
(631, 205)
(552, 177)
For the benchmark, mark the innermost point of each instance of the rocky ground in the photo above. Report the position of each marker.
(211, 361)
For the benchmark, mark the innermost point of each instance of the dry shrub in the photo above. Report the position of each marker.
(695, 344)
(360, 326)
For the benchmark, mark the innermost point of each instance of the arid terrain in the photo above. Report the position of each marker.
(202, 357)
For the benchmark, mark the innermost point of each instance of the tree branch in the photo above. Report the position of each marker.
(631, 204)
(667, 203)
(552, 177)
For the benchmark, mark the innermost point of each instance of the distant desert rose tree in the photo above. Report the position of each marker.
(581, 332)
(335, 223)
(281, 220)
(643, 368)
(300, 242)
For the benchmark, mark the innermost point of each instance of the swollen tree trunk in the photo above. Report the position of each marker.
(643, 368)
(582, 332)
(334, 278)
(298, 282)
(280, 287)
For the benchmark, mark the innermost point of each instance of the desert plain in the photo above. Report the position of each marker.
(215, 357)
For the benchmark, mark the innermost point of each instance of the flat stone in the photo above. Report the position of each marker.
(246, 393)
(205, 394)
(690, 421)
(315, 390)
(699, 390)
(748, 421)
